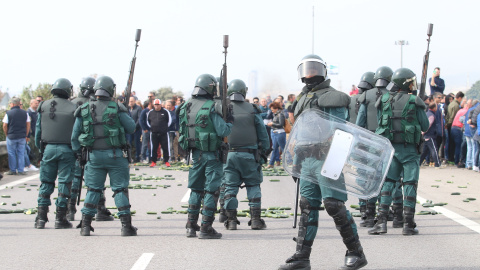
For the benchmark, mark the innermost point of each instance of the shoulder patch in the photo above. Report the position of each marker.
(419, 103)
(363, 97)
(121, 108)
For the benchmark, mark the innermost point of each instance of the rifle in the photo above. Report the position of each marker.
(82, 160)
(223, 95)
(425, 63)
(128, 89)
(297, 192)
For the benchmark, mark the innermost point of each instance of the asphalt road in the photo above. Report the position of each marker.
(443, 243)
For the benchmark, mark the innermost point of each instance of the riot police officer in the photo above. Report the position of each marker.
(58, 158)
(244, 163)
(318, 94)
(402, 120)
(367, 118)
(366, 83)
(201, 131)
(99, 130)
(103, 214)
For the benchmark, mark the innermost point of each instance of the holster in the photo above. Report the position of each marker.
(223, 152)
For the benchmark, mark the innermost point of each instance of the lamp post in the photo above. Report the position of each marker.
(401, 43)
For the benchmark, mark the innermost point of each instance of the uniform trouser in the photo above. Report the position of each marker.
(163, 140)
(204, 178)
(471, 150)
(457, 137)
(476, 155)
(397, 196)
(173, 149)
(430, 148)
(406, 161)
(58, 160)
(99, 164)
(313, 192)
(146, 147)
(241, 168)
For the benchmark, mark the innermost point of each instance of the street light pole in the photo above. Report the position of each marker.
(401, 43)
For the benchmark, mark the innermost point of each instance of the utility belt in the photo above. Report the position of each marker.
(255, 152)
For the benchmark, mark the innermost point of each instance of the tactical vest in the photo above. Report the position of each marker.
(244, 132)
(353, 108)
(57, 120)
(80, 100)
(196, 127)
(101, 126)
(321, 97)
(399, 121)
(369, 98)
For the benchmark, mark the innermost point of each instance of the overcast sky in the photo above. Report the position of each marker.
(45, 40)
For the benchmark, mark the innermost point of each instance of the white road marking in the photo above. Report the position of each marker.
(20, 181)
(186, 196)
(472, 225)
(143, 261)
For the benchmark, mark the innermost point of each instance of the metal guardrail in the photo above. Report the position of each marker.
(3, 148)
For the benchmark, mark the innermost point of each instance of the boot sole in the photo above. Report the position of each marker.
(409, 233)
(85, 234)
(356, 267)
(63, 226)
(208, 236)
(40, 224)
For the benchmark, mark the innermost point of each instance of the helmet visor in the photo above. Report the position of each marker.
(381, 83)
(392, 87)
(364, 85)
(310, 68)
(412, 80)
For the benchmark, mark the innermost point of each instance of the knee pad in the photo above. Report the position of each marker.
(334, 207)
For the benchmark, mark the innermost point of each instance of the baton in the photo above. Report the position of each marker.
(297, 191)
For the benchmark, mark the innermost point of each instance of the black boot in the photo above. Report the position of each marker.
(71, 209)
(103, 214)
(192, 225)
(85, 225)
(61, 221)
(256, 222)
(397, 215)
(370, 215)
(363, 209)
(206, 230)
(354, 258)
(41, 218)
(299, 260)
(381, 226)
(409, 226)
(222, 216)
(232, 221)
(127, 228)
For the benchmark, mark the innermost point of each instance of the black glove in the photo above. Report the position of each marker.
(230, 117)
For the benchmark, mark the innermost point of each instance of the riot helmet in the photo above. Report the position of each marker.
(403, 80)
(366, 81)
(86, 86)
(312, 70)
(206, 85)
(104, 87)
(237, 90)
(62, 87)
(383, 76)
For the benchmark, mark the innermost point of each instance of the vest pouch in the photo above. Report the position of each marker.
(183, 142)
(410, 134)
(113, 134)
(207, 141)
(86, 126)
(385, 119)
(85, 139)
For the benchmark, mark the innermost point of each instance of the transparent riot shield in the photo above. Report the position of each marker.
(334, 153)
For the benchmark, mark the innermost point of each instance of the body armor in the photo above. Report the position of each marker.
(244, 132)
(57, 120)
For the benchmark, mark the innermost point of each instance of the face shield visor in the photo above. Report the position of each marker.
(364, 85)
(310, 68)
(381, 83)
(198, 91)
(413, 82)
